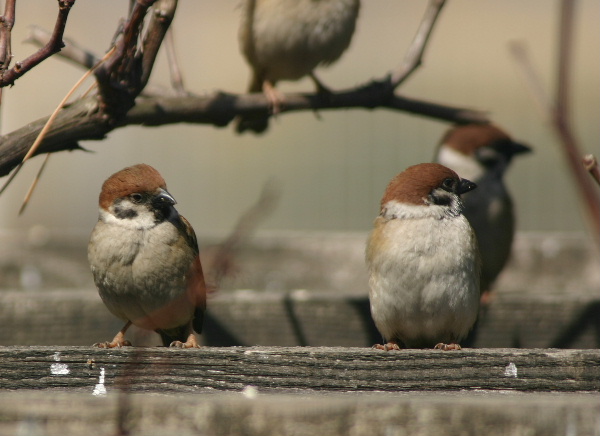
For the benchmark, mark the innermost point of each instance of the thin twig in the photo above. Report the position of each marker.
(86, 59)
(557, 111)
(71, 50)
(562, 121)
(7, 22)
(414, 56)
(41, 170)
(223, 261)
(565, 44)
(33, 185)
(53, 46)
(520, 53)
(591, 165)
(48, 124)
(176, 76)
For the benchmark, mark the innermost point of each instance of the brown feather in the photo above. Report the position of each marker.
(413, 185)
(137, 178)
(466, 139)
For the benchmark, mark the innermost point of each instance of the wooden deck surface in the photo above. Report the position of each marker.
(291, 369)
(298, 391)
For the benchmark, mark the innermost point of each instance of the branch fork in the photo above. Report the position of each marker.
(124, 74)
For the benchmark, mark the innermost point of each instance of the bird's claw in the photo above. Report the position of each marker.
(387, 347)
(190, 343)
(447, 347)
(113, 344)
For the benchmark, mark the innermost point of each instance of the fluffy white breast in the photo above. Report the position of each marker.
(138, 271)
(423, 275)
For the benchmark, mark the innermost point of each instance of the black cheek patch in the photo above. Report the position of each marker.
(441, 198)
(122, 213)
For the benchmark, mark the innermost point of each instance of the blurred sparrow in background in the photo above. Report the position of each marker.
(482, 153)
(287, 40)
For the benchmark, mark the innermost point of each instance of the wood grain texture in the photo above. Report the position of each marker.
(495, 414)
(298, 369)
(298, 391)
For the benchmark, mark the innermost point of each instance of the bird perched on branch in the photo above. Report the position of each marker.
(287, 40)
(483, 153)
(423, 261)
(145, 259)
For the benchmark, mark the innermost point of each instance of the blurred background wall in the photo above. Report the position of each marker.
(332, 171)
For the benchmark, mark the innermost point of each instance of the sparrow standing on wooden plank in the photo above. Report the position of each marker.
(145, 259)
(423, 261)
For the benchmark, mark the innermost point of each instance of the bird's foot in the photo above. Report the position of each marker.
(275, 98)
(387, 347)
(190, 343)
(447, 347)
(486, 298)
(118, 341)
(113, 344)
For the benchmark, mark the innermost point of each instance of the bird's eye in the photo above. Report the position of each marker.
(136, 198)
(448, 184)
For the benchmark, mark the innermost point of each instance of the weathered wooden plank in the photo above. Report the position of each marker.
(293, 369)
(490, 414)
(305, 318)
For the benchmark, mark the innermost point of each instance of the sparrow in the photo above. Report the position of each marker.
(145, 260)
(482, 153)
(423, 261)
(287, 40)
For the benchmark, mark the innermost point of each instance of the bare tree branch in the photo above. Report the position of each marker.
(53, 46)
(49, 123)
(220, 108)
(34, 184)
(565, 44)
(126, 70)
(119, 76)
(86, 59)
(520, 53)
(558, 110)
(84, 120)
(176, 76)
(160, 20)
(81, 119)
(70, 51)
(562, 119)
(591, 165)
(414, 56)
(7, 22)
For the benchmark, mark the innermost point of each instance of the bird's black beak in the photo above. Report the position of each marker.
(518, 148)
(465, 186)
(162, 199)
